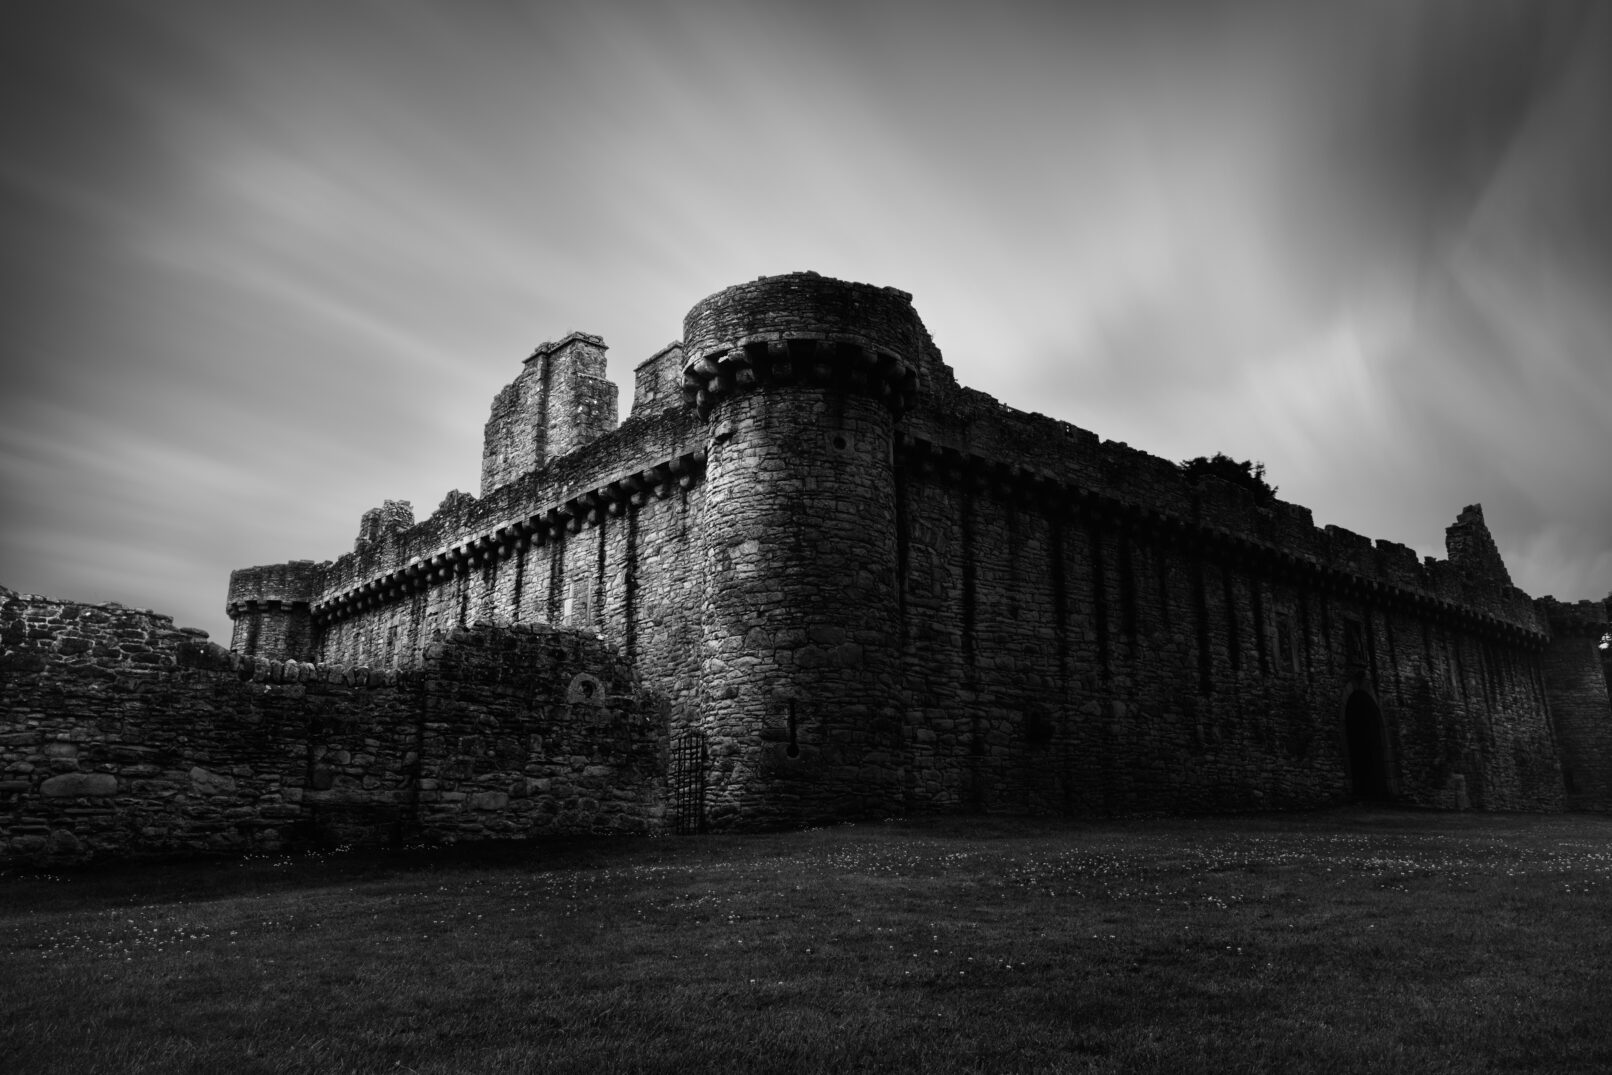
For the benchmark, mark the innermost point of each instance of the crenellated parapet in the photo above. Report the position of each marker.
(1577, 619)
(287, 584)
(805, 329)
(1149, 498)
(489, 545)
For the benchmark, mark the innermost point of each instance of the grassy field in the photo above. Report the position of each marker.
(1350, 941)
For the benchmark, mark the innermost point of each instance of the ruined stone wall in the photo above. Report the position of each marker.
(582, 400)
(515, 438)
(658, 380)
(560, 401)
(125, 736)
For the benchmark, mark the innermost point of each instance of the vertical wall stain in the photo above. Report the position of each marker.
(555, 612)
(1127, 592)
(1256, 598)
(1200, 615)
(970, 581)
(1234, 642)
(629, 596)
(1099, 607)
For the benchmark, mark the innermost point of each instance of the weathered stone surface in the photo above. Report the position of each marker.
(75, 785)
(210, 762)
(210, 783)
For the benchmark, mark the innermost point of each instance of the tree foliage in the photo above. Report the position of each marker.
(1246, 473)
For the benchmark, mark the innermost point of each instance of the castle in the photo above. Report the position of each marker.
(834, 583)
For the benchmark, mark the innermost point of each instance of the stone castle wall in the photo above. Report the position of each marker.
(1112, 663)
(127, 737)
(1575, 671)
(865, 589)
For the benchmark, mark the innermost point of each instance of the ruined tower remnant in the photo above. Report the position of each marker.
(560, 401)
(1470, 547)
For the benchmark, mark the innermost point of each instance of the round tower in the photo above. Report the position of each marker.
(801, 379)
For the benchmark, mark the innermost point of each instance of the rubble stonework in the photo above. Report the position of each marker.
(863, 589)
(126, 737)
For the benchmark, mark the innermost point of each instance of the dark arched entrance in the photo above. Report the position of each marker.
(1368, 754)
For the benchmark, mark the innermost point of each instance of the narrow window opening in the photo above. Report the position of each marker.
(1354, 642)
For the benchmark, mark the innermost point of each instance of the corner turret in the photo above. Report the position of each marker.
(269, 606)
(801, 379)
(803, 328)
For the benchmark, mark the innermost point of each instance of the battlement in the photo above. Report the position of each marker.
(289, 584)
(1039, 460)
(1583, 619)
(806, 328)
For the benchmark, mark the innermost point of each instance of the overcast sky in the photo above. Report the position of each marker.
(265, 265)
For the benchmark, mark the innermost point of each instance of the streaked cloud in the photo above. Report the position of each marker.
(265, 265)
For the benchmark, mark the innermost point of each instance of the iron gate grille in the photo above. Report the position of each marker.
(688, 783)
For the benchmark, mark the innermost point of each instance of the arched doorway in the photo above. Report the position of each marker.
(1368, 754)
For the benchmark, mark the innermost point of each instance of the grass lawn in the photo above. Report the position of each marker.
(1345, 941)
